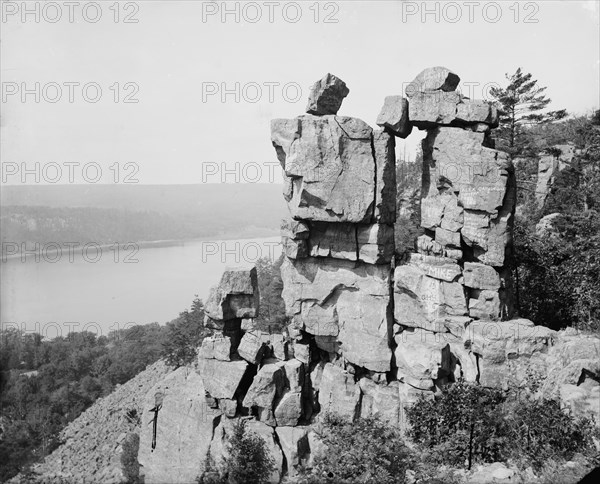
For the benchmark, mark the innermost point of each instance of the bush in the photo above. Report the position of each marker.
(559, 277)
(361, 452)
(471, 424)
(540, 431)
(248, 460)
(463, 426)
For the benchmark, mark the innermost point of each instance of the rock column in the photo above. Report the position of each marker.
(339, 241)
(460, 271)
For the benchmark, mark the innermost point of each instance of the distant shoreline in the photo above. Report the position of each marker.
(145, 244)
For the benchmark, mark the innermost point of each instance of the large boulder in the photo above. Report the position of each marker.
(217, 346)
(394, 116)
(268, 384)
(236, 295)
(326, 95)
(184, 429)
(481, 276)
(506, 348)
(428, 110)
(329, 167)
(289, 409)
(221, 379)
(343, 299)
(433, 79)
(253, 346)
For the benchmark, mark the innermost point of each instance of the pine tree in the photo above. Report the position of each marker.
(521, 104)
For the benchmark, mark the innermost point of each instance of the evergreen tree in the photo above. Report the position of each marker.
(184, 336)
(521, 104)
(249, 460)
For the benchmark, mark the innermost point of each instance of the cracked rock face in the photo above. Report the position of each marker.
(184, 430)
(329, 167)
(338, 393)
(345, 300)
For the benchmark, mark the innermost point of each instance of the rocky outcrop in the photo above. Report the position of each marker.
(467, 207)
(341, 187)
(550, 165)
(235, 297)
(371, 330)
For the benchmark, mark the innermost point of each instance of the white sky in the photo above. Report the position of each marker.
(171, 53)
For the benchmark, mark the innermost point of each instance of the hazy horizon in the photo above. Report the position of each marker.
(206, 86)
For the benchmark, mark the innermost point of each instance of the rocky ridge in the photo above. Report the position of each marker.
(368, 333)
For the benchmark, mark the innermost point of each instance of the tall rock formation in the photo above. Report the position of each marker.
(340, 189)
(468, 199)
(370, 330)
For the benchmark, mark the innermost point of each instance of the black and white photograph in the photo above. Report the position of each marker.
(299, 242)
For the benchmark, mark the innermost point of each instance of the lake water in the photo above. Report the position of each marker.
(109, 289)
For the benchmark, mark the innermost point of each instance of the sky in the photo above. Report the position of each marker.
(177, 92)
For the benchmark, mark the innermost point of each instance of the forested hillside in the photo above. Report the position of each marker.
(45, 384)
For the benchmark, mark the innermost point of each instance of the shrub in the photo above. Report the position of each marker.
(464, 425)
(361, 452)
(470, 424)
(539, 431)
(248, 460)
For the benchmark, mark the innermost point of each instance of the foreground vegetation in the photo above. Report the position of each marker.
(466, 425)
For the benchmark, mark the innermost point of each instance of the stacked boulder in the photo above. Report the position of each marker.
(379, 335)
(340, 188)
(246, 369)
(460, 271)
(247, 373)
